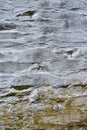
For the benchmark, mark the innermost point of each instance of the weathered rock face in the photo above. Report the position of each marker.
(43, 64)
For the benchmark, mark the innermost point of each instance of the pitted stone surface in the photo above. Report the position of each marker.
(43, 65)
